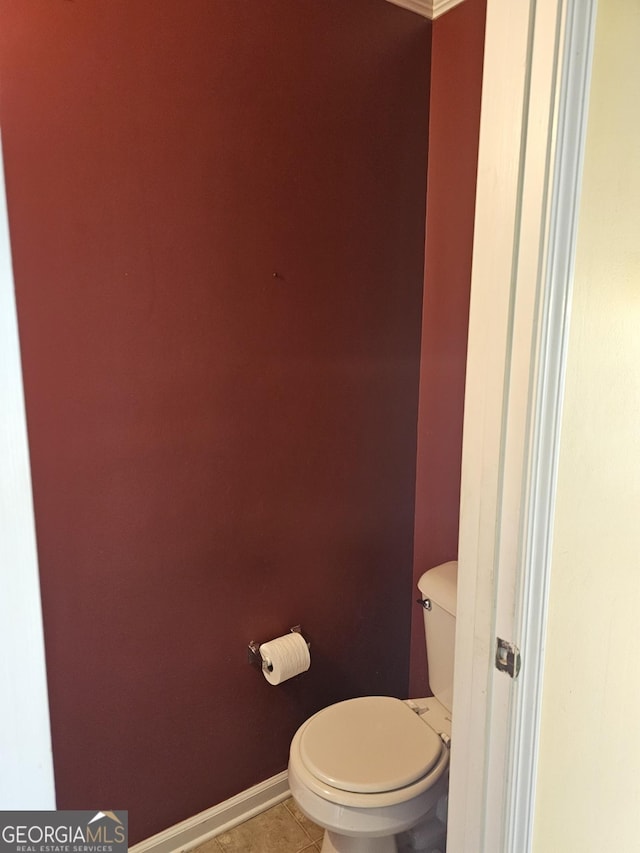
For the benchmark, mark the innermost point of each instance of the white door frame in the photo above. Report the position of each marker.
(538, 58)
(26, 764)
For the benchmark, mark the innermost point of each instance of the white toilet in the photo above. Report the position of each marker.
(371, 768)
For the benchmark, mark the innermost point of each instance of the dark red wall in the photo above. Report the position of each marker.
(456, 78)
(217, 453)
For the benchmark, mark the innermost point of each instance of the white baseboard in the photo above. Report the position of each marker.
(202, 827)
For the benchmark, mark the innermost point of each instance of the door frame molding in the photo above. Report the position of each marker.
(540, 489)
(538, 57)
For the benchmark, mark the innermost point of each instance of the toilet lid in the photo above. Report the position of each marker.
(369, 745)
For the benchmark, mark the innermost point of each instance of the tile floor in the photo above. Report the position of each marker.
(281, 829)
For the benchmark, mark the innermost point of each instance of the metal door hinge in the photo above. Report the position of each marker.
(508, 658)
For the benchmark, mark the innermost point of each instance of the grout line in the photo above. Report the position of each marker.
(302, 827)
(315, 843)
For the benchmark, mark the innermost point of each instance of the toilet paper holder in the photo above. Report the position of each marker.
(255, 658)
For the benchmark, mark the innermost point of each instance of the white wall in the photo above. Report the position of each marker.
(26, 765)
(588, 795)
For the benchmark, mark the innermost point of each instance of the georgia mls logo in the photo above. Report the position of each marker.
(102, 832)
(63, 832)
(111, 815)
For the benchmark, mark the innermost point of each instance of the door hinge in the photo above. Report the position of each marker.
(508, 658)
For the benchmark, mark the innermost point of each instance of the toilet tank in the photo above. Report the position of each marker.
(438, 586)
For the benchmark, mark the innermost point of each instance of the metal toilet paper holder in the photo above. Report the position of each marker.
(255, 658)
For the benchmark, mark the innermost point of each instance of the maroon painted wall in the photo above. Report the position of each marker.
(456, 77)
(217, 453)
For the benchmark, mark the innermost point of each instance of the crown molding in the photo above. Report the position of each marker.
(429, 9)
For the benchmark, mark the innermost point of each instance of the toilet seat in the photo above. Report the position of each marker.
(434, 761)
(369, 745)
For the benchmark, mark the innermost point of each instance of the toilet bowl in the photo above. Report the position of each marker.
(368, 769)
(371, 768)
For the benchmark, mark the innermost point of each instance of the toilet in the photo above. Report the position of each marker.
(373, 771)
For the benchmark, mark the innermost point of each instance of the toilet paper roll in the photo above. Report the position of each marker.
(284, 657)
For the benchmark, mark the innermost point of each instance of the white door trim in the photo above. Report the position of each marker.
(540, 488)
(26, 781)
(490, 332)
(537, 61)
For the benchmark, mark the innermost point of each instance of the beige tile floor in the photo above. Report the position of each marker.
(281, 829)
